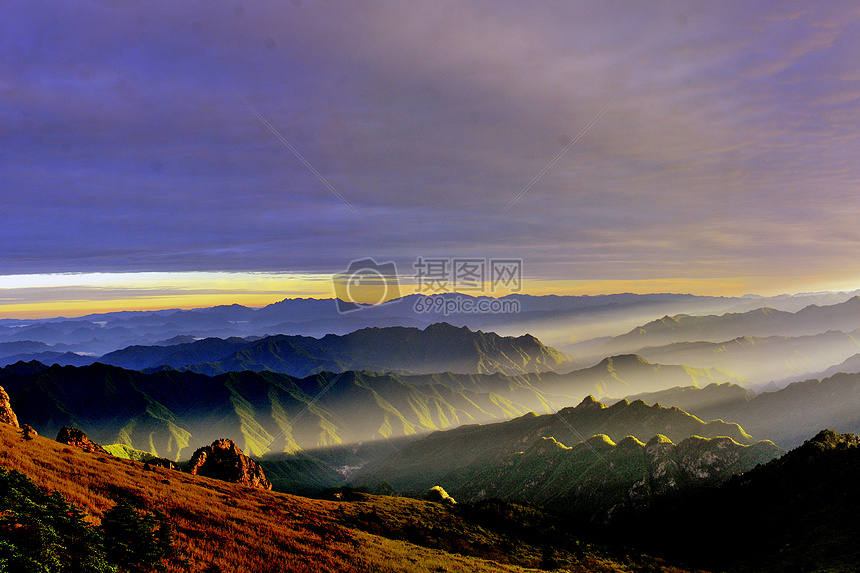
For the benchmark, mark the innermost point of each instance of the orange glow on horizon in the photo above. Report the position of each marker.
(50, 296)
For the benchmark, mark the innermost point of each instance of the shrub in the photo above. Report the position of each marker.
(136, 541)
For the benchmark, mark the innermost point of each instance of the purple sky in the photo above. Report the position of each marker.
(732, 151)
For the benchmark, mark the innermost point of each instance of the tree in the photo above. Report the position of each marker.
(136, 541)
(43, 532)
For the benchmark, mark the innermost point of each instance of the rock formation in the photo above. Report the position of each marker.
(7, 416)
(28, 432)
(223, 460)
(439, 495)
(78, 439)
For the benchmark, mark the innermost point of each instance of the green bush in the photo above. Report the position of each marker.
(136, 541)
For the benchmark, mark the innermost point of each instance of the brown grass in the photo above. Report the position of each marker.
(241, 529)
(233, 527)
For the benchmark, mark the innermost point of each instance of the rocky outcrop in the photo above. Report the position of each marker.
(439, 495)
(7, 416)
(78, 439)
(223, 460)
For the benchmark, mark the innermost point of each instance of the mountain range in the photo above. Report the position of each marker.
(454, 458)
(167, 412)
(561, 321)
(598, 479)
(547, 467)
(439, 347)
(760, 322)
(787, 416)
(761, 360)
(795, 513)
(220, 526)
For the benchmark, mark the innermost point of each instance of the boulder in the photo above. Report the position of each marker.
(224, 461)
(78, 439)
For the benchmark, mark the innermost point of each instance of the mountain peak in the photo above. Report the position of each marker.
(828, 439)
(623, 360)
(589, 403)
(445, 326)
(600, 441)
(630, 443)
(658, 439)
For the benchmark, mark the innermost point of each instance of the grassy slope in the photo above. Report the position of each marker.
(242, 529)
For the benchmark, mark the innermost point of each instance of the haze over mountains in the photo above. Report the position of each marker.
(758, 346)
(764, 359)
(761, 322)
(298, 395)
(165, 412)
(787, 416)
(451, 458)
(559, 321)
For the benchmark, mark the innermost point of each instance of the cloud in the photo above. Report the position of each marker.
(126, 146)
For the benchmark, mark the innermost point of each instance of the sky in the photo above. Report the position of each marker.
(157, 154)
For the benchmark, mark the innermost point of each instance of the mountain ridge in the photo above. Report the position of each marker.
(760, 322)
(444, 458)
(787, 415)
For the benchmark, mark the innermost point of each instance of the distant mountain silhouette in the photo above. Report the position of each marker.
(760, 360)
(850, 365)
(552, 318)
(708, 403)
(760, 322)
(438, 348)
(628, 373)
(174, 355)
(61, 358)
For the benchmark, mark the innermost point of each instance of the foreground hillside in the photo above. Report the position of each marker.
(226, 527)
